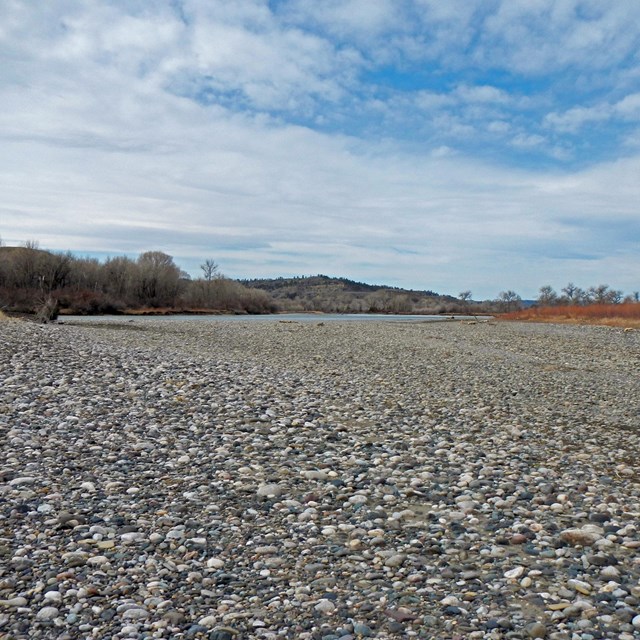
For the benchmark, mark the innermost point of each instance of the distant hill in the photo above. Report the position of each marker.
(322, 281)
(341, 295)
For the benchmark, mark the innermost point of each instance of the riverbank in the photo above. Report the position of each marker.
(319, 480)
(625, 315)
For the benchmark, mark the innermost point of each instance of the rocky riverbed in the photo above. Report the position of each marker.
(238, 480)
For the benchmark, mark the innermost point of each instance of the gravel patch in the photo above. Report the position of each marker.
(238, 480)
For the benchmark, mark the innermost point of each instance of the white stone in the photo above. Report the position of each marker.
(395, 560)
(316, 475)
(16, 482)
(208, 621)
(18, 601)
(131, 536)
(609, 572)
(270, 490)
(47, 613)
(53, 596)
(325, 606)
(580, 586)
(198, 542)
(515, 573)
(135, 614)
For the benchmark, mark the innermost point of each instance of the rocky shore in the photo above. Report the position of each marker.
(237, 480)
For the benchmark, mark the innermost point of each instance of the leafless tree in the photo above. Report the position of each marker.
(158, 279)
(598, 294)
(509, 300)
(209, 269)
(573, 294)
(547, 296)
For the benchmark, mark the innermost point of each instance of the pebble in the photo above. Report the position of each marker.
(227, 479)
(362, 630)
(270, 490)
(536, 630)
(580, 537)
(18, 601)
(47, 613)
(396, 560)
(514, 573)
(325, 606)
(135, 614)
(580, 586)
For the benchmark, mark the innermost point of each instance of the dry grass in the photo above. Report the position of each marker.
(7, 318)
(625, 315)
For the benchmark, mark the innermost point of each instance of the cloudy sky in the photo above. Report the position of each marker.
(440, 144)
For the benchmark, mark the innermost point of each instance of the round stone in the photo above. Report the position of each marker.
(47, 613)
(325, 606)
(536, 630)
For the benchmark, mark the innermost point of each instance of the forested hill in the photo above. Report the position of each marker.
(341, 295)
(43, 282)
(344, 284)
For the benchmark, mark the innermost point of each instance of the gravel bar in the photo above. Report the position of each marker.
(321, 481)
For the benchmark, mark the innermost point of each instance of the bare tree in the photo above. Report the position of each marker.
(209, 269)
(547, 296)
(509, 300)
(121, 278)
(574, 295)
(159, 279)
(600, 294)
(55, 270)
(616, 296)
(465, 299)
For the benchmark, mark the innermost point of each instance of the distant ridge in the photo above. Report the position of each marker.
(320, 280)
(342, 295)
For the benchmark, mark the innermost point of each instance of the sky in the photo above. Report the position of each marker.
(482, 145)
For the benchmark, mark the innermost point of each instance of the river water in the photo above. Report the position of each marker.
(282, 317)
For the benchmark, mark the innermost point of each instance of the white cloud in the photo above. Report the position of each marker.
(108, 142)
(574, 119)
(482, 94)
(628, 108)
(528, 141)
(538, 36)
(359, 20)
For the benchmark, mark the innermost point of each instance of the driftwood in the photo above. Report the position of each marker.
(48, 310)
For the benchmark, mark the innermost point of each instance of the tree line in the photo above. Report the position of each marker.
(32, 279)
(573, 295)
(43, 282)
